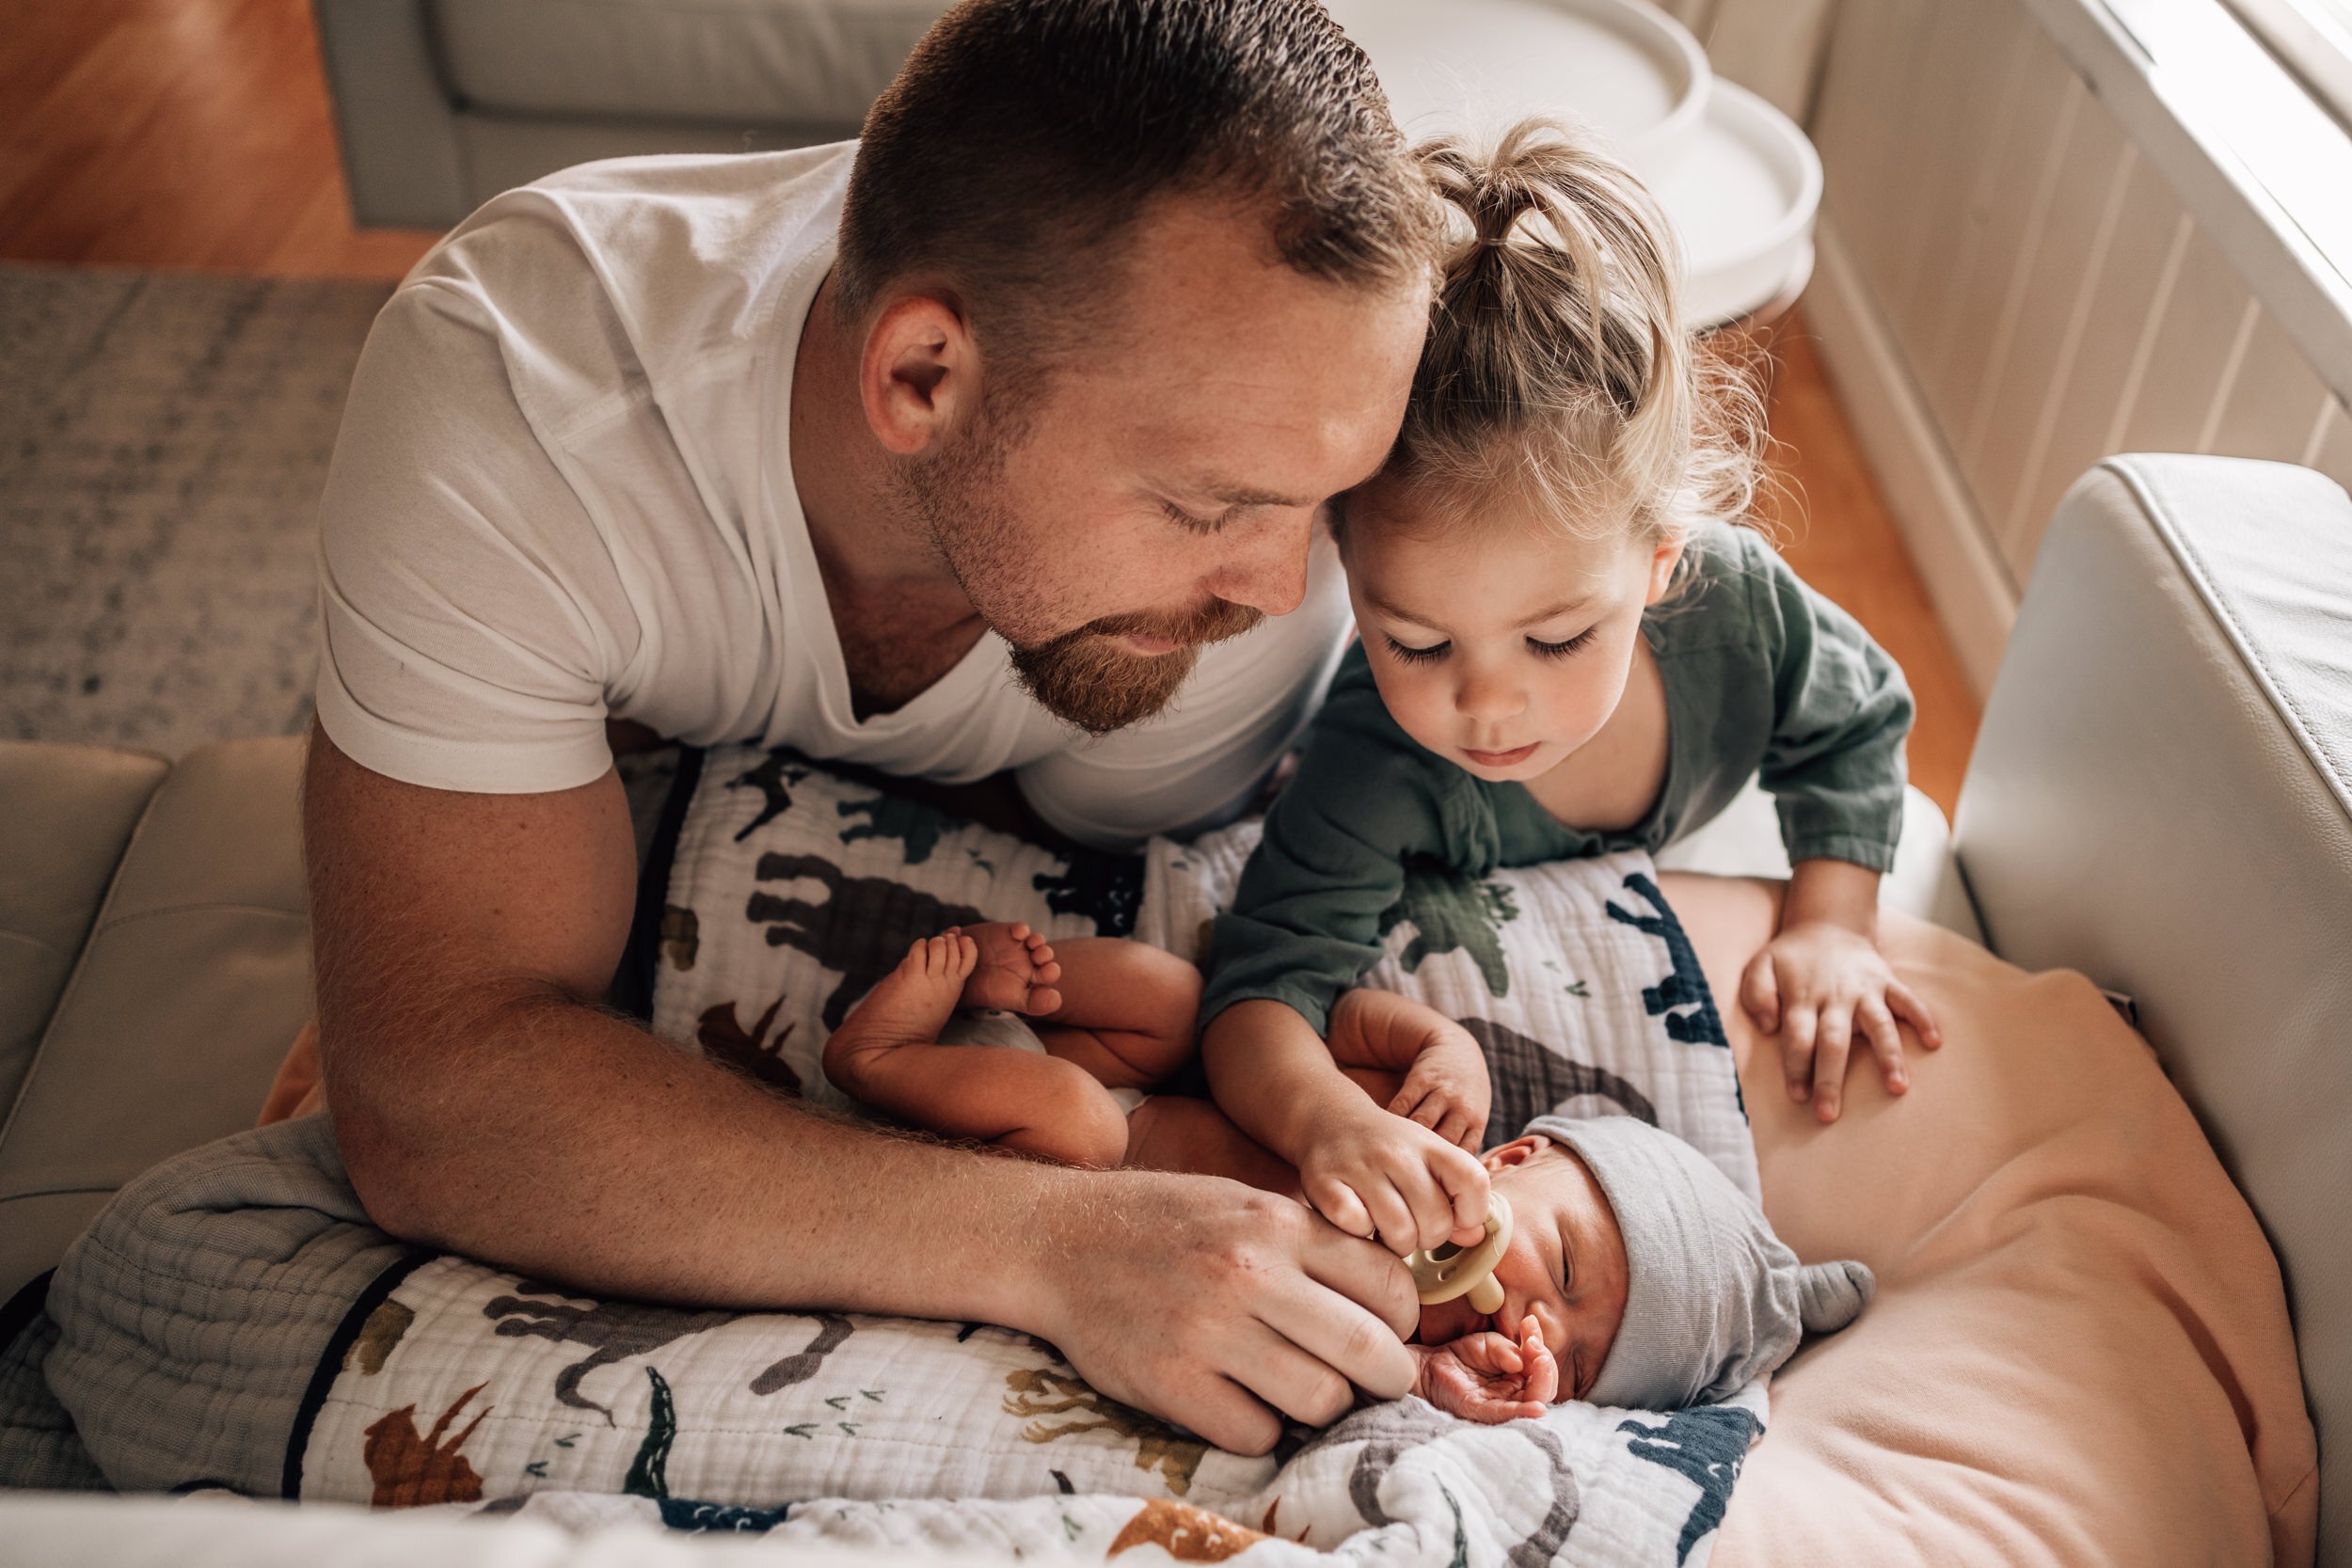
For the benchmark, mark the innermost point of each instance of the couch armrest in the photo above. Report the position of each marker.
(396, 119)
(2161, 797)
(193, 982)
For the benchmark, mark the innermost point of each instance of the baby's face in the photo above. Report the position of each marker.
(1504, 645)
(1566, 1263)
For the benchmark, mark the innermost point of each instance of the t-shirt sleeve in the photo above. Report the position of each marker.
(1305, 923)
(1200, 762)
(470, 615)
(1833, 762)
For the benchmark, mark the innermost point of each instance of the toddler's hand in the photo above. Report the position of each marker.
(1822, 987)
(1381, 1177)
(1489, 1377)
(1447, 1088)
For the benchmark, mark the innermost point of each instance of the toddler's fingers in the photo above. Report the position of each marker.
(1886, 1043)
(1392, 1214)
(1915, 1012)
(1830, 1050)
(1759, 992)
(1796, 1052)
(1337, 1201)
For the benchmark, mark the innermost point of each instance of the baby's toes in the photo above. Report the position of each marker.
(966, 955)
(1043, 1000)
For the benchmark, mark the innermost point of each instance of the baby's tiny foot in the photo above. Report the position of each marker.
(914, 1001)
(1016, 970)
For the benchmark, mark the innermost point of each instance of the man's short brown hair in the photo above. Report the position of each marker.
(1022, 138)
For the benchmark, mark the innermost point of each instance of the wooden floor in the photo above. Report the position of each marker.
(198, 134)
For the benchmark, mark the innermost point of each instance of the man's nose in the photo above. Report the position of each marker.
(1265, 568)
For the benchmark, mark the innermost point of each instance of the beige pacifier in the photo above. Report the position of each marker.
(1446, 1271)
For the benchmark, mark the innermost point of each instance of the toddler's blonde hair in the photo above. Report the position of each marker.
(1558, 371)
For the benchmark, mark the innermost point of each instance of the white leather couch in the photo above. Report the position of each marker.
(2161, 796)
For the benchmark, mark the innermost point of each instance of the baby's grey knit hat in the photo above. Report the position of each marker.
(1713, 1298)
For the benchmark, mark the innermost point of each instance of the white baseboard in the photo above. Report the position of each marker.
(1925, 494)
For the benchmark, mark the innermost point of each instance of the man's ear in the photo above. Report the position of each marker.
(917, 372)
(1662, 561)
(1517, 1152)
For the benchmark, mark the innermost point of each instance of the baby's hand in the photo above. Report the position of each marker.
(1447, 1088)
(1488, 1377)
(1822, 986)
(1383, 1177)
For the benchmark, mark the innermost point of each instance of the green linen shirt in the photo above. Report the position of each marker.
(1763, 676)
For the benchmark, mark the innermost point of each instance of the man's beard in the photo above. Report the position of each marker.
(1082, 677)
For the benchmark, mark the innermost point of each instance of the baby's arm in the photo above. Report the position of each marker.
(1416, 1061)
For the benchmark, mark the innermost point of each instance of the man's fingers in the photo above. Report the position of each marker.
(1915, 1012)
(1796, 1052)
(1293, 1380)
(1351, 1311)
(1833, 1040)
(1225, 1414)
(1759, 992)
(1886, 1043)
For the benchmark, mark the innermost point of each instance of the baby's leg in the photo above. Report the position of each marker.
(1127, 1010)
(886, 1054)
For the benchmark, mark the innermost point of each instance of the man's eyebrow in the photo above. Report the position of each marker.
(1242, 496)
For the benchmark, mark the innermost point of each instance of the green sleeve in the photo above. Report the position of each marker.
(1306, 920)
(1833, 762)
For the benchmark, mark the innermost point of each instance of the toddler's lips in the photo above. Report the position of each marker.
(1501, 759)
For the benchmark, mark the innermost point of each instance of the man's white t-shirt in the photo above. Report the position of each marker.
(563, 492)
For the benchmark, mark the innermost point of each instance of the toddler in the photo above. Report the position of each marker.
(1566, 649)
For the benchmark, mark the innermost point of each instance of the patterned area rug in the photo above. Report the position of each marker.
(163, 438)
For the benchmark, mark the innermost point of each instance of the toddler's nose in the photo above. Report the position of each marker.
(1487, 700)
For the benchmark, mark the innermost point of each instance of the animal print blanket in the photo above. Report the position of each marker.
(232, 1321)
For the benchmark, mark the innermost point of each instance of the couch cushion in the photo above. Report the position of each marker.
(762, 62)
(196, 975)
(71, 811)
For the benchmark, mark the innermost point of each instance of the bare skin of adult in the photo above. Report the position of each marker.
(486, 1103)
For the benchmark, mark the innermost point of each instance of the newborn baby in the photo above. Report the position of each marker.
(1637, 1276)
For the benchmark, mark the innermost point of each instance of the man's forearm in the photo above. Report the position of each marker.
(564, 1142)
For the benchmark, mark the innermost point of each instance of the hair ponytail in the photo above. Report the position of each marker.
(1557, 363)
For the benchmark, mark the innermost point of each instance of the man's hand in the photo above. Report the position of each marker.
(1823, 984)
(1489, 1377)
(1375, 1174)
(1218, 1306)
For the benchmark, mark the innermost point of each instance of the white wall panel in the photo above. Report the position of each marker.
(2000, 248)
(2056, 284)
(2274, 402)
(1862, 124)
(2331, 452)
(2190, 351)
(2151, 230)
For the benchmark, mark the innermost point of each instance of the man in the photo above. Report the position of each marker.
(1124, 290)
